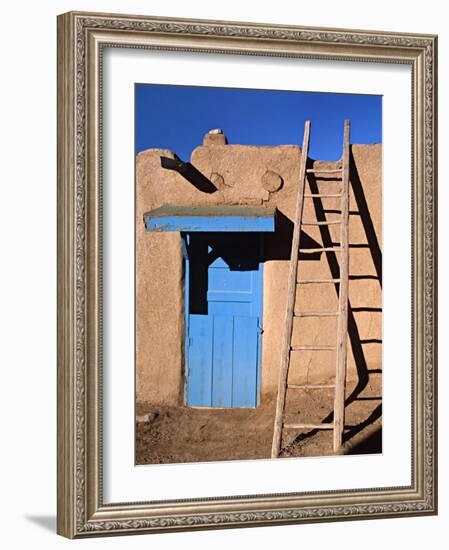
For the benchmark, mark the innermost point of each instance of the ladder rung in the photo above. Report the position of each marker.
(316, 314)
(322, 171)
(323, 426)
(330, 222)
(309, 281)
(313, 348)
(309, 386)
(325, 249)
(320, 195)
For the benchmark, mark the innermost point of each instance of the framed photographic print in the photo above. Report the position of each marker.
(246, 291)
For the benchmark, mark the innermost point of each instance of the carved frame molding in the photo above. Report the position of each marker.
(81, 39)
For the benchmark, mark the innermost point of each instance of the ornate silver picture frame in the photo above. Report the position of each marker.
(83, 39)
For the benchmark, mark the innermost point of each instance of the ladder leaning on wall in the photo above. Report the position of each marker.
(337, 425)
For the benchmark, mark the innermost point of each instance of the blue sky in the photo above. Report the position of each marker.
(177, 117)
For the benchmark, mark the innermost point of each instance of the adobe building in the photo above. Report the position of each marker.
(212, 261)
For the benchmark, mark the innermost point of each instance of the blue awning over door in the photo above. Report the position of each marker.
(210, 219)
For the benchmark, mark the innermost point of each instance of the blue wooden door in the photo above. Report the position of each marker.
(224, 315)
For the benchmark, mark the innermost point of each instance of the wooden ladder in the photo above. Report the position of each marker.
(337, 424)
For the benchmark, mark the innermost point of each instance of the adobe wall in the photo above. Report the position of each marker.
(249, 175)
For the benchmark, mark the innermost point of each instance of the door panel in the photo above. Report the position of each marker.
(222, 361)
(221, 278)
(199, 387)
(245, 350)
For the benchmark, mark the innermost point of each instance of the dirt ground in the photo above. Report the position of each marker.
(183, 434)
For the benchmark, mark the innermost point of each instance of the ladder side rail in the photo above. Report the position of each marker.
(341, 356)
(291, 292)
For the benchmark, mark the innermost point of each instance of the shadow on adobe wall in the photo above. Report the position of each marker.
(278, 245)
(189, 172)
(372, 444)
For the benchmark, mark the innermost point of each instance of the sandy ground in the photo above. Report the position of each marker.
(183, 434)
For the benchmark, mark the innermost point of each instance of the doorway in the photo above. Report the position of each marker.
(223, 302)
